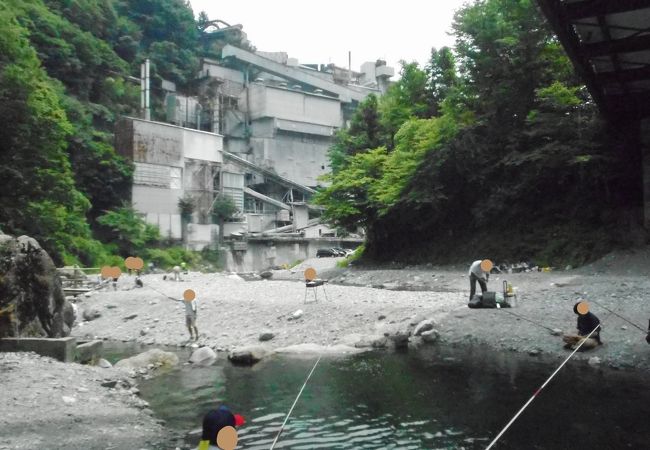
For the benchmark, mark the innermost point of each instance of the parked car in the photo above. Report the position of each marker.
(326, 253)
(341, 251)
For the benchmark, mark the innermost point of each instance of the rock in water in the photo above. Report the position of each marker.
(247, 355)
(32, 303)
(203, 356)
(594, 361)
(153, 356)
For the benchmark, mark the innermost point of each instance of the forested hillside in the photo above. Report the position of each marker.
(64, 79)
(492, 149)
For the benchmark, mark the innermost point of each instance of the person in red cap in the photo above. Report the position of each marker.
(213, 422)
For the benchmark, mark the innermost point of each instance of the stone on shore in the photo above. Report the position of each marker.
(423, 326)
(32, 300)
(266, 336)
(104, 364)
(430, 336)
(91, 314)
(400, 339)
(154, 356)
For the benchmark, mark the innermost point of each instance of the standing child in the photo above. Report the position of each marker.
(190, 313)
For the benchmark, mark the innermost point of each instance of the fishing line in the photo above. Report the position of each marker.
(619, 316)
(540, 389)
(294, 404)
(530, 400)
(528, 320)
(161, 293)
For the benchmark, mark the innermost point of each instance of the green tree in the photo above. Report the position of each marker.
(364, 133)
(223, 208)
(406, 99)
(39, 196)
(186, 206)
(442, 77)
(129, 231)
(350, 199)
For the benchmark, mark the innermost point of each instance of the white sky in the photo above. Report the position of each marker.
(324, 31)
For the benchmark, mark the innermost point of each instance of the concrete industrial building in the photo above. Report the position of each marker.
(258, 131)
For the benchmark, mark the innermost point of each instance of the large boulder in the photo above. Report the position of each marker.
(32, 303)
(247, 355)
(203, 356)
(154, 356)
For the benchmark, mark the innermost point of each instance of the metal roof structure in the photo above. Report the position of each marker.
(609, 44)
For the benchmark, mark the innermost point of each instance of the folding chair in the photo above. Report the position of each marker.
(311, 282)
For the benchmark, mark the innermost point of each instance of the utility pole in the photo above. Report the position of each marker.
(145, 90)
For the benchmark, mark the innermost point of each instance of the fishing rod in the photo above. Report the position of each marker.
(619, 316)
(294, 404)
(530, 400)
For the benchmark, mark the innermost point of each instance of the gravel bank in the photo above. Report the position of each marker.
(40, 397)
(364, 302)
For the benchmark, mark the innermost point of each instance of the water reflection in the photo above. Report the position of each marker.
(431, 400)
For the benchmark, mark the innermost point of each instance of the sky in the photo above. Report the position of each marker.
(324, 31)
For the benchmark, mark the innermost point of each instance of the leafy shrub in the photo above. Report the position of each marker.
(354, 256)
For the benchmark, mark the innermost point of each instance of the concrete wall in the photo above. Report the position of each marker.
(287, 251)
(169, 225)
(148, 199)
(258, 222)
(62, 349)
(282, 103)
(201, 236)
(161, 143)
(224, 73)
(302, 159)
(163, 156)
(317, 231)
(202, 145)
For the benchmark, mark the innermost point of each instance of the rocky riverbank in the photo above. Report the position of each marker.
(364, 309)
(98, 408)
(373, 309)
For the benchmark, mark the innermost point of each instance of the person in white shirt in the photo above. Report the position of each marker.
(190, 317)
(479, 271)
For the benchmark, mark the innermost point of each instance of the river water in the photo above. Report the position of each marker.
(456, 398)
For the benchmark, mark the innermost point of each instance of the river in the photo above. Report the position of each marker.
(452, 398)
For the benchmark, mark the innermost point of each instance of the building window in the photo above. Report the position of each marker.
(176, 178)
(151, 175)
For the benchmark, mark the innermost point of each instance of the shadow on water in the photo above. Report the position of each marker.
(456, 398)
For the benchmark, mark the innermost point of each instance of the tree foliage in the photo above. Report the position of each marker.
(129, 231)
(65, 68)
(495, 148)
